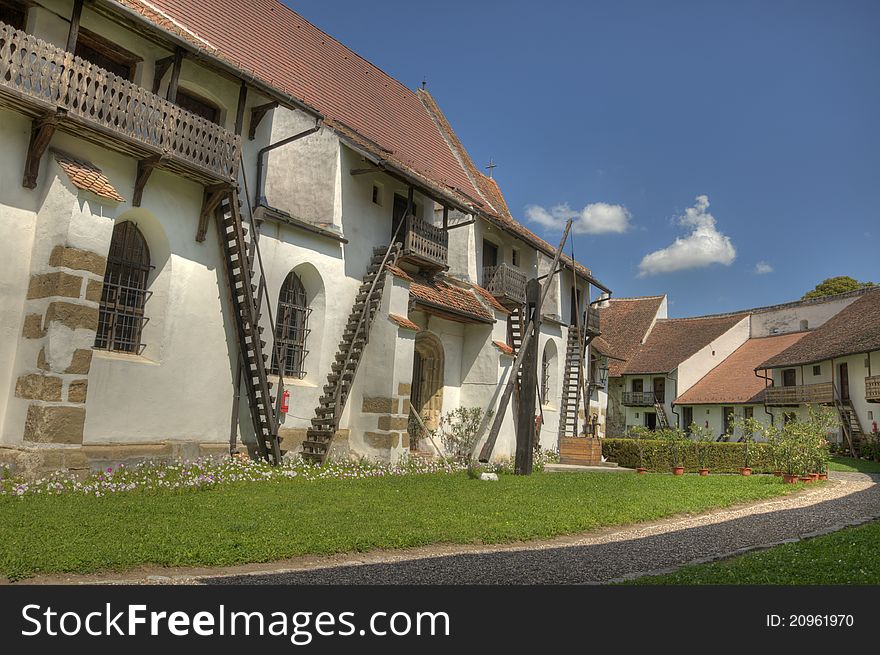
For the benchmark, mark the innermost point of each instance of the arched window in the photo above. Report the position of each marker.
(121, 318)
(545, 376)
(291, 329)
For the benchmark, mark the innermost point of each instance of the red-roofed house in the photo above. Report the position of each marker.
(134, 289)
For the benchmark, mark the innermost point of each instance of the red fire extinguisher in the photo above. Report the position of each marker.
(285, 402)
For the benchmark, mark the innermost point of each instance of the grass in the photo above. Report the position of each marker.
(257, 522)
(846, 557)
(850, 464)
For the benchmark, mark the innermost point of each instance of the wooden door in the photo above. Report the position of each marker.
(843, 369)
(651, 420)
(660, 390)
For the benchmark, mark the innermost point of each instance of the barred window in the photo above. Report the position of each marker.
(545, 378)
(291, 329)
(121, 318)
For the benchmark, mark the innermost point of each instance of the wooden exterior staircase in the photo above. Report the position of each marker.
(662, 418)
(571, 384)
(348, 357)
(849, 421)
(515, 327)
(247, 290)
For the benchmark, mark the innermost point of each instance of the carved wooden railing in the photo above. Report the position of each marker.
(40, 74)
(425, 242)
(505, 282)
(872, 388)
(802, 394)
(591, 321)
(639, 398)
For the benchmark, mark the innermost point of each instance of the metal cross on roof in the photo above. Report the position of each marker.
(491, 166)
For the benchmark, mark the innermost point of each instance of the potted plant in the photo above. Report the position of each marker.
(774, 447)
(704, 440)
(747, 427)
(675, 441)
(639, 435)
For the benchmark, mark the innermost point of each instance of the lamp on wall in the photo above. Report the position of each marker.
(603, 374)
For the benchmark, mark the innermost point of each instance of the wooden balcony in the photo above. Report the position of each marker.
(425, 245)
(639, 398)
(872, 389)
(803, 394)
(591, 322)
(506, 283)
(53, 86)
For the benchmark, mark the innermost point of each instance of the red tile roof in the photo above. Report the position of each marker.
(436, 293)
(398, 272)
(270, 41)
(86, 176)
(854, 330)
(489, 298)
(673, 340)
(601, 346)
(503, 347)
(624, 323)
(404, 322)
(734, 381)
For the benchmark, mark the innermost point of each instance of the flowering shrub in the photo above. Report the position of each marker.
(206, 473)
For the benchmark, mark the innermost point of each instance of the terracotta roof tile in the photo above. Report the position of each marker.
(86, 176)
(283, 50)
(673, 340)
(854, 330)
(489, 298)
(503, 347)
(440, 294)
(602, 347)
(398, 272)
(734, 380)
(624, 323)
(404, 322)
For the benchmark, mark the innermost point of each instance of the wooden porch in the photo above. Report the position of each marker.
(872, 389)
(506, 283)
(424, 245)
(803, 394)
(639, 398)
(62, 91)
(591, 322)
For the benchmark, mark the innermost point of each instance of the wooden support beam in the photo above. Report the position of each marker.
(144, 171)
(213, 196)
(257, 114)
(73, 32)
(179, 54)
(239, 113)
(445, 217)
(525, 427)
(42, 130)
(364, 171)
(462, 224)
(161, 67)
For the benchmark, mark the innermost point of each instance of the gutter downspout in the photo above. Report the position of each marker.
(672, 402)
(261, 157)
(770, 380)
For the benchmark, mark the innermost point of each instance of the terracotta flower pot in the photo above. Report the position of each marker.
(678, 470)
(789, 478)
(745, 470)
(641, 470)
(815, 476)
(806, 478)
(704, 472)
(823, 476)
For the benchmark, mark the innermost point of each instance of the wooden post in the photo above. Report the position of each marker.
(525, 432)
(239, 115)
(445, 217)
(73, 32)
(171, 96)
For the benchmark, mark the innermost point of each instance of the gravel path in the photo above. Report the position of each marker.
(615, 554)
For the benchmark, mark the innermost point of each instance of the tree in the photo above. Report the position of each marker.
(835, 285)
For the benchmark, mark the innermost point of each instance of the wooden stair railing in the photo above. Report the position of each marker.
(849, 420)
(354, 341)
(662, 418)
(246, 291)
(571, 385)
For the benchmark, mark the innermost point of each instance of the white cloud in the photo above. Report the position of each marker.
(595, 218)
(703, 246)
(763, 267)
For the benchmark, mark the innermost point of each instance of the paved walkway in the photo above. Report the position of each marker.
(608, 555)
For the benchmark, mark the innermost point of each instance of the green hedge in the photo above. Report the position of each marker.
(724, 457)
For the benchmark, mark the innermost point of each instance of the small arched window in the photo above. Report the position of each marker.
(805, 325)
(121, 314)
(545, 377)
(291, 329)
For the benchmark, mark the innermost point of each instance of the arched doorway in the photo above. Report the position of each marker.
(427, 383)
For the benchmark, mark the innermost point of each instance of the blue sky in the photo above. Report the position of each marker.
(737, 133)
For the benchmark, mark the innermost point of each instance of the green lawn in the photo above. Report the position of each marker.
(845, 557)
(849, 464)
(258, 522)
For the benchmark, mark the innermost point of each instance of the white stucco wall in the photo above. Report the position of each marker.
(789, 317)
